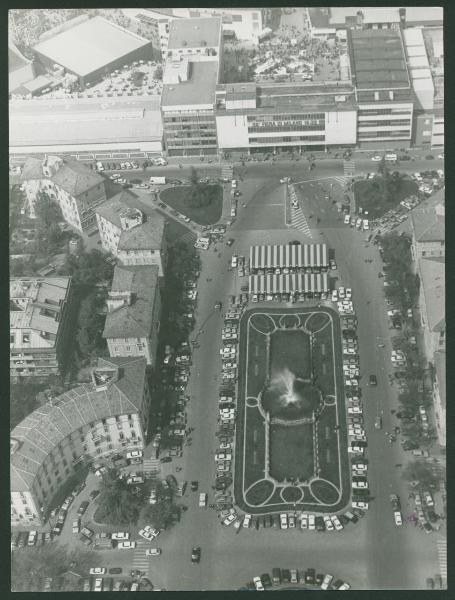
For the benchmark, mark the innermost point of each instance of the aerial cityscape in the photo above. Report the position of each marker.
(227, 299)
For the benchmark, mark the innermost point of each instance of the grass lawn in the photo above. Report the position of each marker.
(290, 349)
(368, 195)
(291, 451)
(323, 360)
(177, 198)
(257, 362)
(259, 492)
(254, 446)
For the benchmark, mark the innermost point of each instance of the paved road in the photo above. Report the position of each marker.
(373, 554)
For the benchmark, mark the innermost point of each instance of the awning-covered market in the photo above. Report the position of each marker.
(288, 284)
(288, 255)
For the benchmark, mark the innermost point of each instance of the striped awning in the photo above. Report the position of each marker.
(296, 282)
(288, 255)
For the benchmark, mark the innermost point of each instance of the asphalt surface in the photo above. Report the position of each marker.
(372, 554)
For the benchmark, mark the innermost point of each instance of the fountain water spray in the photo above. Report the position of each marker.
(283, 382)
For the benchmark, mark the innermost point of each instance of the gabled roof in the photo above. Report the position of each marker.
(43, 429)
(148, 236)
(75, 178)
(432, 280)
(32, 169)
(135, 319)
(428, 222)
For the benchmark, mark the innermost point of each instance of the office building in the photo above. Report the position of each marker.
(134, 308)
(87, 423)
(40, 325)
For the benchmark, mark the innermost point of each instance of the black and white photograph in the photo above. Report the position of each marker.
(227, 298)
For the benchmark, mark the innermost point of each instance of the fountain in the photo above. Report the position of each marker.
(289, 397)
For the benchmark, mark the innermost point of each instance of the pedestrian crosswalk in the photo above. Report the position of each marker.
(227, 171)
(140, 561)
(299, 221)
(349, 168)
(151, 465)
(341, 179)
(442, 557)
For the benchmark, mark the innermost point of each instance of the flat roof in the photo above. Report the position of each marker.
(199, 89)
(389, 14)
(377, 59)
(194, 33)
(40, 122)
(90, 45)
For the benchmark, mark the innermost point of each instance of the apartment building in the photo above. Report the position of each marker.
(129, 234)
(428, 229)
(134, 308)
(76, 189)
(40, 325)
(439, 395)
(87, 423)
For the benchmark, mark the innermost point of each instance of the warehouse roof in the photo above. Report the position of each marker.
(134, 319)
(194, 33)
(43, 429)
(89, 45)
(73, 121)
(199, 89)
(377, 59)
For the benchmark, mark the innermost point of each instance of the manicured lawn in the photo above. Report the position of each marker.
(254, 446)
(290, 349)
(178, 198)
(291, 451)
(259, 492)
(368, 195)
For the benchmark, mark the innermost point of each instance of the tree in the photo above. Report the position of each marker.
(421, 472)
(47, 211)
(120, 503)
(158, 73)
(30, 566)
(89, 269)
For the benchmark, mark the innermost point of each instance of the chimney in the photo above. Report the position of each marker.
(402, 13)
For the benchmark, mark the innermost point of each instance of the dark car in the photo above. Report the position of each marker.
(115, 571)
(172, 481)
(22, 539)
(94, 494)
(320, 526)
(276, 521)
(319, 579)
(358, 512)
(194, 486)
(373, 380)
(285, 576)
(276, 576)
(57, 530)
(166, 459)
(310, 576)
(266, 581)
(196, 554)
(82, 508)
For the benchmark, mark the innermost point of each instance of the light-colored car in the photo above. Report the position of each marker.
(344, 586)
(328, 523)
(428, 498)
(76, 526)
(153, 552)
(398, 518)
(247, 520)
(376, 158)
(360, 504)
(97, 571)
(291, 521)
(126, 545)
(336, 521)
(32, 537)
(294, 576)
(283, 521)
(134, 454)
(311, 522)
(98, 587)
(202, 499)
(120, 535)
(258, 584)
(304, 521)
(148, 533)
(326, 582)
(229, 520)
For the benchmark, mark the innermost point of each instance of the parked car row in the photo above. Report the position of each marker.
(295, 576)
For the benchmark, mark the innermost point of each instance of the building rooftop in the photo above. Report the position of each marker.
(89, 45)
(16, 60)
(432, 280)
(194, 33)
(377, 59)
(42, 430)
(35, 310)
(148, 236)
(135, 319)
(76, 178)
(440, 366)
(381, 14)
(199, 89)
(84, 121)
(428, 223)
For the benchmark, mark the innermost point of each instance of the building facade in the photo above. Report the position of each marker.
(130, 235)
(439, 395)
(88, 423)
(134, 308)
(73, 186)
(40, 325)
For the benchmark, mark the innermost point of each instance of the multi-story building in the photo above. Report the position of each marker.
(439, 395)
(428, 229)
(129, 234)
(432, 304)
(75, 188)
(382, 86)
(134, 308)
(40, 322)
(190, 77)
(90, 422)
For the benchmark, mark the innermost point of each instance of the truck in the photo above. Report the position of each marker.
(158, 180)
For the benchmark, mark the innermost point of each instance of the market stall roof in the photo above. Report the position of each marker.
(287, 284)
(288, 255)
